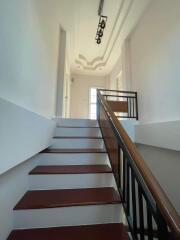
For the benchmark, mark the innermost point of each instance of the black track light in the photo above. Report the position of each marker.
(100, 29)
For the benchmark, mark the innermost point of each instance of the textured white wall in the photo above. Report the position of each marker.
(155, 63)
(168, 175)
(79, 107)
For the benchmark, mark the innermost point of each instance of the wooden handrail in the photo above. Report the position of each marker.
(165, 206)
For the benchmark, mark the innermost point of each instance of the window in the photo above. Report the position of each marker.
(92, 103)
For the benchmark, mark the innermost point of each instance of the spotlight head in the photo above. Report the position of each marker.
(103, 24)
(98, 41)
(100, 33)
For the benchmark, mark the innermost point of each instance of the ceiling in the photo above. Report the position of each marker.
(80, 20)
(91, 58)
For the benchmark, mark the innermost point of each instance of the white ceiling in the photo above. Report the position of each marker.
(89, 57)
(80, 20)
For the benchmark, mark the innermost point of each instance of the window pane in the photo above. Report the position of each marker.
(92, 102)
(93, 116)
(93, 98)
(93, 108)
(93, 91)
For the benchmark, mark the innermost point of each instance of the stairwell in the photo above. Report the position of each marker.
(72, 192)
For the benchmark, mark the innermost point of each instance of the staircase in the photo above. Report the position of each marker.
(72, 192)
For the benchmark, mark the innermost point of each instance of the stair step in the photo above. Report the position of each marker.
(76, 122)
(71, 169)
(68, 216)
(70, 181)
(68, 197)
(73, 150)
(45, 159)
(114, 231)
(78, 132)
(77, 137)
(77, 143)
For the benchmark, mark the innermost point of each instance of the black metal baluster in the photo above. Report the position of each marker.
(124, 178)
(130, 108)
(119, 167)
(134, 203)
(127, 99)
(136, 107)
(128, 190)
(98, 110)
(162, 227)
(149, 223)
(141, 213)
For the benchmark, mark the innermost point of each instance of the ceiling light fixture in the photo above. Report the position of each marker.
(101, 24)
(100, 28)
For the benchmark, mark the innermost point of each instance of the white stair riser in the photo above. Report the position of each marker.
(71, 181)
(72, 159)
(77, 143)
(76, 122)
(78, 132)
(67, 216)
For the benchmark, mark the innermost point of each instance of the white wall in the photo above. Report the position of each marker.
(155, 62)
(28, 74)
(29, 32)
(122, 70)
(79, 107)
(28, 59)
(129, 126)
(165, 166)
(13, 185)
(117, 69)
(60, 91)
(67, 87)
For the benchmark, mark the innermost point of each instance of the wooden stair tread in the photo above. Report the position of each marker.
(73, 150)
(115, 231)
(71, 169)
(68, 197)
(77, 137)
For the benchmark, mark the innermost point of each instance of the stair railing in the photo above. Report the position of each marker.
(123, 103)
(149, 213)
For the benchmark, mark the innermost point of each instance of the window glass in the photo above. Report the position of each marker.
(92, 102)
